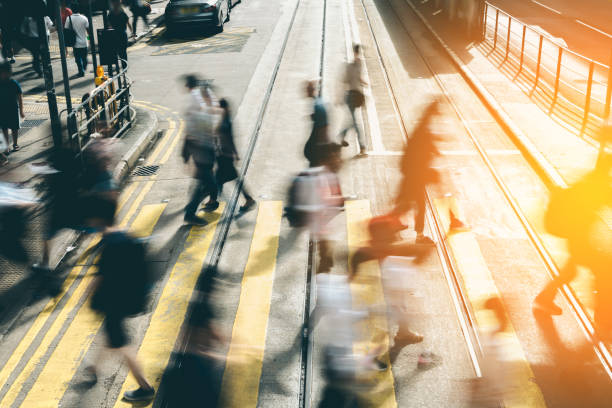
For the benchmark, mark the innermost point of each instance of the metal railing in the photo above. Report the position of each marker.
(585, 84)
(105, 109)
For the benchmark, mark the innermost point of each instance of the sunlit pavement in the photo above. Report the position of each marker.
(262, 271)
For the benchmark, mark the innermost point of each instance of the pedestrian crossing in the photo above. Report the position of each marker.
(45, 363)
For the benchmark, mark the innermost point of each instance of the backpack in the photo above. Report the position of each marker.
(304, 197)
(126, 278)
(70, 35)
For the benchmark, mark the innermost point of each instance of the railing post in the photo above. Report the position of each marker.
(496, 25)
(508, 39)
(587, 102)
(609, 92)
(537, 75)
(522, 49)
(558, 75)
(486, 15)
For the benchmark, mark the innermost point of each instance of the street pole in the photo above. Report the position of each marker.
(56, 126)
(92, 40)
(55, 6)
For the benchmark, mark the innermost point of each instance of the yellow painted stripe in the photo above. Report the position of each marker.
(54, 379)
(168, 317)
(172, 146)
(240, 386)
(146, 220)
(479, 286)
(136, 204)
(162, 145)
(366, 290)
(50, 307)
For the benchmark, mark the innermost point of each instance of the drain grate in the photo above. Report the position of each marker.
(30, 123)
(145, 170)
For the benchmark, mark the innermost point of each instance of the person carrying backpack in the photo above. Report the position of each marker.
(78, 24)
(120, 290)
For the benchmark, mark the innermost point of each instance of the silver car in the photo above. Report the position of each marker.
(197, 13)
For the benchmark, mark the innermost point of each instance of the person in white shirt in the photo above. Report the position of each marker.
(79, 24)
(354, 98)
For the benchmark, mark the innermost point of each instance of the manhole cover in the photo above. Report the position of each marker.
(145, 170)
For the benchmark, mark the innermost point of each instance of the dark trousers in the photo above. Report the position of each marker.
(80, 57)
(136, 14)
(7, 42)
(206, 185)
(33, 45)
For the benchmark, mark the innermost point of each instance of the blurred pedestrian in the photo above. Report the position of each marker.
(579, 214)
(354, 97)
(228, 155)
(11, 108)
(65, 12)
(201, 119)
(80, 25)
(8, 16)
(120, 290)
(139, 10)
(119, 21)
(418, 172)
(33, 40)
(319, 138)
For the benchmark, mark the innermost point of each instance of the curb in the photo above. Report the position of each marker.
(130, 158)
(540, 164)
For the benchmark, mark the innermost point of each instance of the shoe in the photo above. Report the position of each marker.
(211, 206)
(344, 143)
(248, 206)
(547, 307)
(16, 148)
(362, 152)
(457, 225)
(81, 74)
(139, 395)
(408, 337)
(90, 376)
(195, 220)
(12, 60)
(424, 240)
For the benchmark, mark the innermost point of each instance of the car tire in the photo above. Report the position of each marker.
(221, 23)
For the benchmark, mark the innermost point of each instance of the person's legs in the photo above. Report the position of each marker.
(134, 22)
(129, 354)
(419, 216)
(198, 194)
(545, 299)
(5, 133)
(84, 58)
(360, 138)
(15, 133)
(326, 256)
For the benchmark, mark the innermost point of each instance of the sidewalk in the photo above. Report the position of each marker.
(560, 144)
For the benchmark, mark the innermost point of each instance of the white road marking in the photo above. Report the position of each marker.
(377, 144)
(546, 7)
(594, 28)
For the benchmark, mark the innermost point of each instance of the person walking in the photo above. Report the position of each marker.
(32, 39)
(319, 137)
(354, 98)
(120, 290)
(8, 15)
(226, 171)
(139, 10)
(119, 21)
(11, 109)
(200, 144)
(79, 24)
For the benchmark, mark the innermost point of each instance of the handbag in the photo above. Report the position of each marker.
(70, 35)
(355, 98)
(225, 170)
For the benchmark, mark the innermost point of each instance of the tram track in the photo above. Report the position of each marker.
(462, 306)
